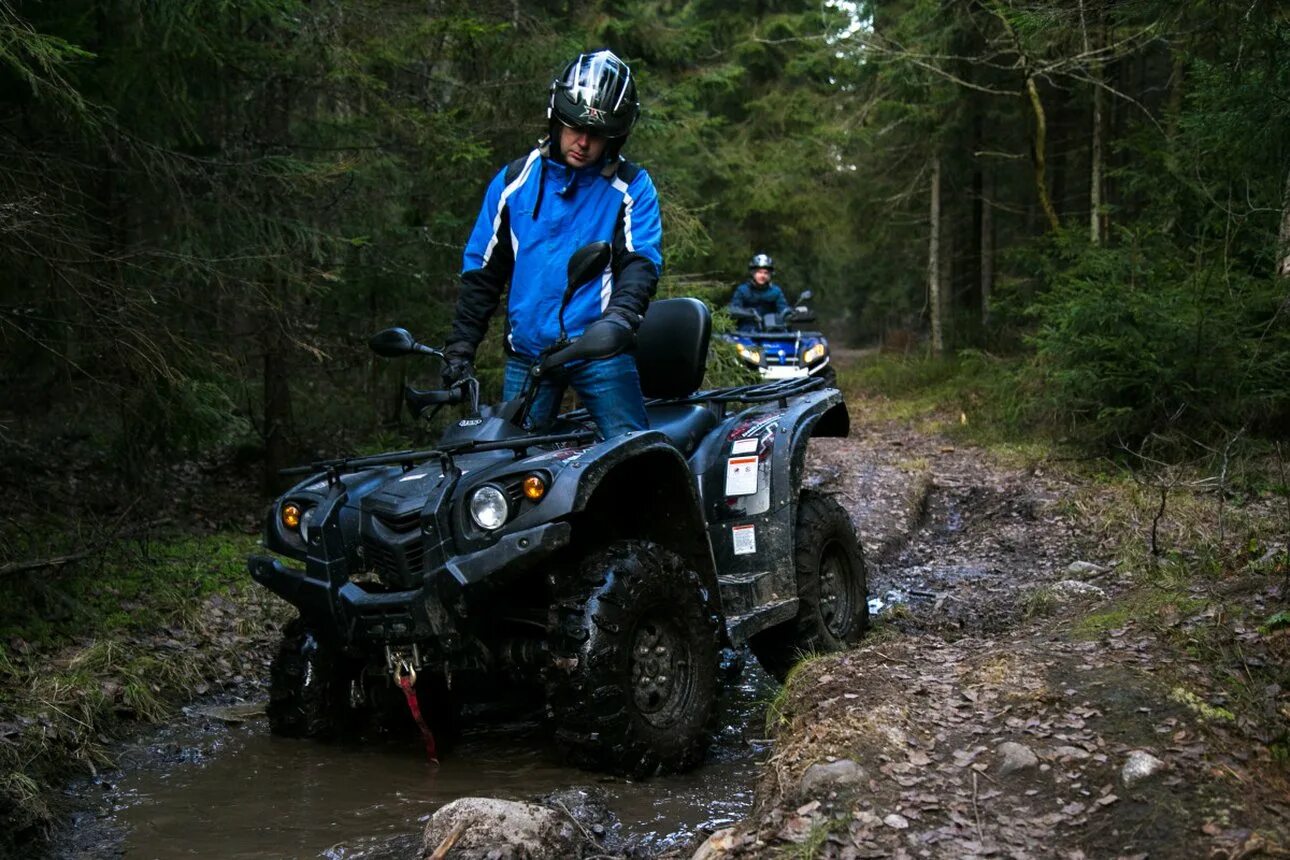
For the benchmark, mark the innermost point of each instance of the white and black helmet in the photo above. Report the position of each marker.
(596, 91)
(761, 261)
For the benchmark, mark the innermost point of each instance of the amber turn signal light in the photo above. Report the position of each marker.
(534, 488)
(291, 515)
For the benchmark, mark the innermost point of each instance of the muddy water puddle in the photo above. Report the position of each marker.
(208, 790)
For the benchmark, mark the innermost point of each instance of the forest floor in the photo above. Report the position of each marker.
(1037, 683)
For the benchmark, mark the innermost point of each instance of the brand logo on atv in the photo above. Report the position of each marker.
(593, 114)
(470, 422)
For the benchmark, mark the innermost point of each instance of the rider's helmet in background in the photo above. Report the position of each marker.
(761, 261)
(595, 91)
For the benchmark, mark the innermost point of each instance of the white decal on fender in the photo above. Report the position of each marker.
(741, 476)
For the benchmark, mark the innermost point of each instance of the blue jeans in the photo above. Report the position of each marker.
(609, 388)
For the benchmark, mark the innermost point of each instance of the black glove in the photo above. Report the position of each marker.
(626, 319)
(458, 363)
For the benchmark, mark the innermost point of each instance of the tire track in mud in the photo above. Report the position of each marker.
(964, 727)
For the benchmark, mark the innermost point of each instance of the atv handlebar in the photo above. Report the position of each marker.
(418, 401)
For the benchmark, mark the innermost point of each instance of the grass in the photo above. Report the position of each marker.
(117, 640)
(778, 708)
(1200, 573)
(973, 396)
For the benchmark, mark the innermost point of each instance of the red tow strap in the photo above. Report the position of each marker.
(406, 682)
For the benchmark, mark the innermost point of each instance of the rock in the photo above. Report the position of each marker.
(1086, 568)
(1139, 766)
(1016, 757)
(479, 827)
(587, 805)
(1074, 589)
(717, 845)
(831, 776)
(896, 822)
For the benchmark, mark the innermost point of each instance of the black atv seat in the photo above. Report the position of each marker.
(672, 347)
(685, 425)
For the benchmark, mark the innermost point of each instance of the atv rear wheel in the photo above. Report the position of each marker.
(634, 643)
(309, 686)
(832, 588)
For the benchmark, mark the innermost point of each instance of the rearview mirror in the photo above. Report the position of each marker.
(394, 342)
(602, 339)
(804, 297)
(586, 263)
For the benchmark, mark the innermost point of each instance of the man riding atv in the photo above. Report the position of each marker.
(527, 556)
(758, 295)
(572, 189)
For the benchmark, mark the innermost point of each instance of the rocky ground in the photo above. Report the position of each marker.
(987, 717)
(1018, 697)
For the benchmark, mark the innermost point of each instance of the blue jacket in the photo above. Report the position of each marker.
(764, 300)
(536, 213)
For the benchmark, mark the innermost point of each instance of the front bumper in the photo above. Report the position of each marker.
(324, 594)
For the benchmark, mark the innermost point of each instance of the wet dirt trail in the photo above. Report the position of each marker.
(967, 726)
(972, 725)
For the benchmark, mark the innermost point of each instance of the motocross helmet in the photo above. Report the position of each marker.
(761, 261)
(596, 91)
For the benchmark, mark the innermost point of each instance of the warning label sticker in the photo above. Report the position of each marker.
(745, 539)
(741, 476)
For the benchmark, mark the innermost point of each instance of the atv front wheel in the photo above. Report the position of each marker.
(309, 686)
(634, 644)
(832, 589)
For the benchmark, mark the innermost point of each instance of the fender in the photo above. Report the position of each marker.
(746, 530)
(637, 486)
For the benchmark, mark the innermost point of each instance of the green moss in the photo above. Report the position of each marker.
(136, 587)
(1206, 711)
(1095, 625)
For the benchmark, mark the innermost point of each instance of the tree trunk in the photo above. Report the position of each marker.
(278, 450)
(1095, 156)
(987, 244)
(934, 263)
(1040, 145)
(1283, 250)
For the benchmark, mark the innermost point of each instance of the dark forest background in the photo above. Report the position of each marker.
(206, 207)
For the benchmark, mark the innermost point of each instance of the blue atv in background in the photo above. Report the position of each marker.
(773, 344)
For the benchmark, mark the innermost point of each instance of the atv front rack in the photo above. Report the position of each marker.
(408, 459)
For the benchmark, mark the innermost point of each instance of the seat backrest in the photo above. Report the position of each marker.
(672, 347)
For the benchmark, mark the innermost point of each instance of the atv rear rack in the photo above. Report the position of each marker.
(758, 392)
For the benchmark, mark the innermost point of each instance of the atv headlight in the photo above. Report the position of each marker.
(750, 354)
(488, 507)
(305, 519)
(815, 353)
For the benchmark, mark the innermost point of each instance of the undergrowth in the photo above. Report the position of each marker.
(90, 649)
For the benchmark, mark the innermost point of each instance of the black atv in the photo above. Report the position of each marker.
(607, 576)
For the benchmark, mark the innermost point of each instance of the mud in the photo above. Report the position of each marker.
(960, 672)
(964, 675)
(216, 784)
